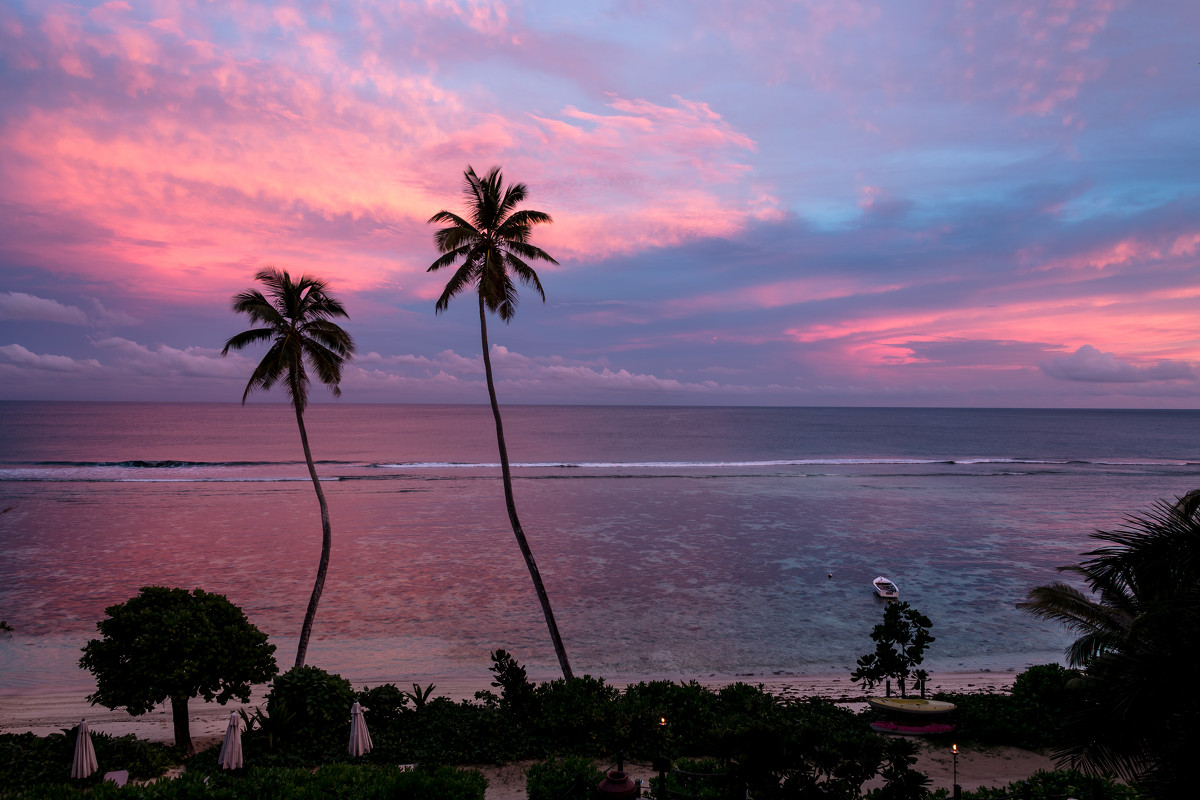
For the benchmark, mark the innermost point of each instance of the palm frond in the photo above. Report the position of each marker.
(494, 242)
(267, 372)
(525, 250)
(460, 281)
(246, 338)
(526, 275)
(451, 239)
(300, 313)
(525, 220)
(329, 335)
(1137, 636)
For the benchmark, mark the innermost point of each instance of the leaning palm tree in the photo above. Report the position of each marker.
(1139, 636)
(297, 319)
(492, 244)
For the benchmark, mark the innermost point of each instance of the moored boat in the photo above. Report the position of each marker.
(885, 588)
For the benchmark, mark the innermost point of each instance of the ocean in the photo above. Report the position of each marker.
(675, 542)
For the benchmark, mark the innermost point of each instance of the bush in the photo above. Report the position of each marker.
(578, 716)
(1059, 783)
(383, 705)
(27, 759)
(703, 779)
(1032, 716)
(690, 711)
(569, 778)
(308, 711)
(330, 781)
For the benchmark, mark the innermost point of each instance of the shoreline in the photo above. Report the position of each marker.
(52, 712)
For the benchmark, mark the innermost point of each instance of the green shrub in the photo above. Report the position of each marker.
(383, 705)
(578, 716)
(27, 759)
(516, 690)
(569, 778)
(308, 711)
(333, 781)
(690, 712)
(704, 778)
(1032, 716)
(1058, 783)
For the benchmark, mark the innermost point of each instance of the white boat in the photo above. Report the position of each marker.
(885, 588)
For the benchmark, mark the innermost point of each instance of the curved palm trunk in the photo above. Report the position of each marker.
(326, 545)
(518, 532)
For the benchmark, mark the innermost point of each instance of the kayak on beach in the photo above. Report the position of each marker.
(911, 705)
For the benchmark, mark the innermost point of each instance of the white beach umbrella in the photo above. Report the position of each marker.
(360, 739)
(84, 763)
(231, 748)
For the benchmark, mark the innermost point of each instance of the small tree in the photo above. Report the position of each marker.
(900, 642)
(174, 644)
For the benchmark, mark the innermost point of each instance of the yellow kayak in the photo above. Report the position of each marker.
(911, 705)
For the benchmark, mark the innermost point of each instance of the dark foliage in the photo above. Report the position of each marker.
(172, 644)
(1138, 627)
(569, 778)
(1061, 783)
(330, 782)
(27, 759)
(900, 643)
(750, 739)
(307, 715)
(1032, 716)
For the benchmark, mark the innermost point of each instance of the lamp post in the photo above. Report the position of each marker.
(662, 764)
(957, 788)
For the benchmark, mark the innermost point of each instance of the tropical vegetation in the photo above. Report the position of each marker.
(900, 644)
(172, 644)
(490, 246)
(296, 318)
(1138, 626)
(713, 743)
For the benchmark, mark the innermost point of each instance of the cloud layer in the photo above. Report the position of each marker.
(763, 202)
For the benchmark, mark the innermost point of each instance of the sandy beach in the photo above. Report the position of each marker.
(50, 713)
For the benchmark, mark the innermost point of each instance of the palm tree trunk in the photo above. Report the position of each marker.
(326, 546)
(518, 532)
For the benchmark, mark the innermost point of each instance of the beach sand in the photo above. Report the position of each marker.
(51, 713)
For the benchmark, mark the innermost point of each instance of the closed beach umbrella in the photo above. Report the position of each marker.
(84, 763)
(231, 748)
(360, 739)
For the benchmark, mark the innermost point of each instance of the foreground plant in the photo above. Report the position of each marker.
(492, 243)
(172, 644)
(900, 643)
(298, 323)
(1139, 635)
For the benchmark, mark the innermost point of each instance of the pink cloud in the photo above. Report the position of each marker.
(200, 162)
(1036, 54)
(1137, 325)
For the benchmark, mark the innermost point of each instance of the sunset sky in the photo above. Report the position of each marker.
(821, 202)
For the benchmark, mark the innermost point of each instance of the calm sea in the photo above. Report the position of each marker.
(675, 542)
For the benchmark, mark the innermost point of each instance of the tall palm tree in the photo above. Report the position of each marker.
(1139, 636)
(492, 242)
(298, 323)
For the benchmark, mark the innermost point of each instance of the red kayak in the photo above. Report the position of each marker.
(912, 730)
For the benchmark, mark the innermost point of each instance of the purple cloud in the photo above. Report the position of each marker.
(1088, 364)
(19, 305)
